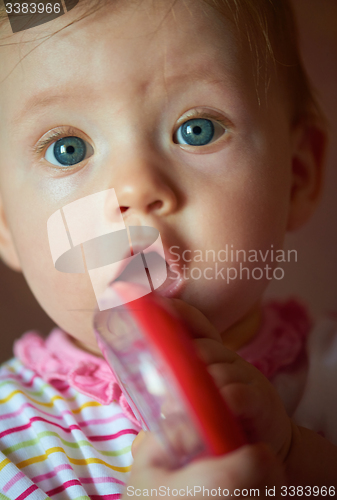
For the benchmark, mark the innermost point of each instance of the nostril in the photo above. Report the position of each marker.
(155, 205)
(123, 209)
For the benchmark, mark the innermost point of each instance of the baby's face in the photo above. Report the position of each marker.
(125, 81)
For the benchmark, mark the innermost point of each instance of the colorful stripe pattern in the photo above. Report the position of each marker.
(56, 445)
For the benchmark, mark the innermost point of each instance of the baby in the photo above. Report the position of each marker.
(199, 115)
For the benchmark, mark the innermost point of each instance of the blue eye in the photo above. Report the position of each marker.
(68, 151)
(198, 132)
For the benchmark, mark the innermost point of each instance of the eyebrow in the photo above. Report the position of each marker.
(46, 99)
(197, 74)
(40, 101)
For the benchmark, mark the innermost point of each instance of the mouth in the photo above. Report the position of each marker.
(132, 271)
(174, 284)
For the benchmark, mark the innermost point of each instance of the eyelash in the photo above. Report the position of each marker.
(190, 115)
(53, 137)
(66, 131)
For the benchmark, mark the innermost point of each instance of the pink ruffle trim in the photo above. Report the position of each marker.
(59, 362)
(281, 338)
(278, 344)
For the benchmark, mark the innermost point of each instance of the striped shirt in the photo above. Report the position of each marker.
(59, 443)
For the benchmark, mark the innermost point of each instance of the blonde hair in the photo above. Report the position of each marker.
(269, 28)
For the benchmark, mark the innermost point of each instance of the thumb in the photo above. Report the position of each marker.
(195, 320)
(148, 452)
(136, 443)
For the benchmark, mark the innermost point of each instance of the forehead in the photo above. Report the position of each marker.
(152, 48)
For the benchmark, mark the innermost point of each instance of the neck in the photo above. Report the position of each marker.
(86, 347)
(244, 330)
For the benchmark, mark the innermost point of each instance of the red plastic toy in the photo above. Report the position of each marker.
(165, 382)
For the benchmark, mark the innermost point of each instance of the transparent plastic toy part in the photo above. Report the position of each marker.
(148, 385)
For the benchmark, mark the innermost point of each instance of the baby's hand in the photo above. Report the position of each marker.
(249, 394)
(252, 466)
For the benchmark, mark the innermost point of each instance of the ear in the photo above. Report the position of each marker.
(7, 248)
(309, 148)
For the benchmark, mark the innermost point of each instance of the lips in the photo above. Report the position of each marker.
(130, 272)
(131, 267)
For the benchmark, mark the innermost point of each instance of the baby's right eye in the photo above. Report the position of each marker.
(68, 151)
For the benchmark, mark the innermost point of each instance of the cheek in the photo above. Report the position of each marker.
(246, 208)
(243, 209)
(67, 298)
(243, 191)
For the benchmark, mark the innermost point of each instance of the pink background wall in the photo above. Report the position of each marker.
(314, 276)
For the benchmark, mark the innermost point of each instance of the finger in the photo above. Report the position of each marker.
(224, 374)
(212, 352)
(244, 400)
(199, 325)
(136, 442)
(254, 466)
(151, 453)
(248, 467)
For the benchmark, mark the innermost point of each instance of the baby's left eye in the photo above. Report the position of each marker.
(68, 151)
(198, 132)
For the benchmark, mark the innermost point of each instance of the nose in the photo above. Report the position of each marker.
(143, 190)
